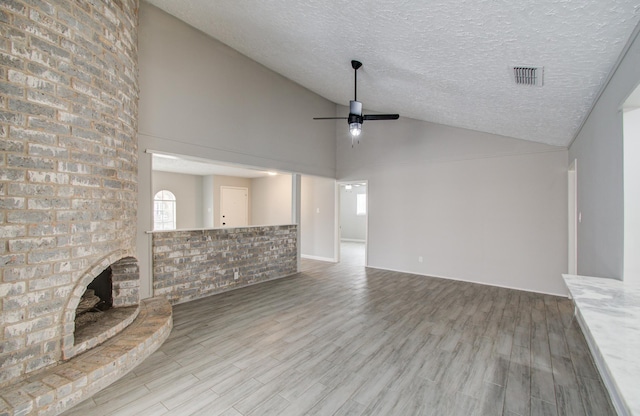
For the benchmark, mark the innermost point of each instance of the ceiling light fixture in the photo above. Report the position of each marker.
(356, 117)
(355, 129)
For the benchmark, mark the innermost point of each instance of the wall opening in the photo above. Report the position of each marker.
(353, 217)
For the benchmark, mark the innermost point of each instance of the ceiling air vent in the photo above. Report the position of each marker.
(528, 75)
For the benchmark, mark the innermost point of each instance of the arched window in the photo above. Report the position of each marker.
(164, 211)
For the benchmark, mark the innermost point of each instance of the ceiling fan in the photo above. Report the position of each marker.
(356, 118)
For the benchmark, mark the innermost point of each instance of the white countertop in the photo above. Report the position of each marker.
(611, 311)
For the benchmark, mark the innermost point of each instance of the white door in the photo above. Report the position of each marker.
(234, 206)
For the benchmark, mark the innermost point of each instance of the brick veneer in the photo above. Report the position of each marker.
(68, 157)
(192, 264)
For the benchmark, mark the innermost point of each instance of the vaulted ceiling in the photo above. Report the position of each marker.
(443, 61)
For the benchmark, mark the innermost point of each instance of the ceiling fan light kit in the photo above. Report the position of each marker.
(356, 118)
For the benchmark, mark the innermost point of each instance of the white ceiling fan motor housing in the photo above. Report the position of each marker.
(355, 107)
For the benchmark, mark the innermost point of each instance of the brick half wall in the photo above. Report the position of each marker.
(192, 264)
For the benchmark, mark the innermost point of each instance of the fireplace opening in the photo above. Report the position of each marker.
(96, 299)
(109, 303)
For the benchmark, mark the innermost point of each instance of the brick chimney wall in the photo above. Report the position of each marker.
(68, 150)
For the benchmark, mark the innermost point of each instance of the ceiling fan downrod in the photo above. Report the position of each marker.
(355, 65)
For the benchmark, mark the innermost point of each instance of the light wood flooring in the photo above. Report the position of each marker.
(339, 339)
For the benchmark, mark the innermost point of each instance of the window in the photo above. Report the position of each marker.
(361, 204)
(164, 211)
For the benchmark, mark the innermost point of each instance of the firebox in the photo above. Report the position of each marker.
(96, 299)
(106, 301)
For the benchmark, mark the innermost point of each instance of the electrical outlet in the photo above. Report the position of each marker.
(236, 275)
(419, 259)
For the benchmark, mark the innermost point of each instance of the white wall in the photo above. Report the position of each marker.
(317, 220)
(188, 192)
(352, 226)
(271, 200)
(632, 196)
(477, 207)
(599, 150)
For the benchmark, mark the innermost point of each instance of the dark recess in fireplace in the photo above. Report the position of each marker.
(102, 286)
(97, 298)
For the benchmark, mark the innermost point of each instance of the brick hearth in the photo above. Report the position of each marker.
(51, 391)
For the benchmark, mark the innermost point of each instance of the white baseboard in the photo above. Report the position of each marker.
(563, 295)
(328, 259)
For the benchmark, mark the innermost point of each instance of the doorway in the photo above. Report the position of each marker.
(234, 206)
(353, 222)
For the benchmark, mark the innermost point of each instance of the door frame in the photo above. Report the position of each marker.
(572, 182)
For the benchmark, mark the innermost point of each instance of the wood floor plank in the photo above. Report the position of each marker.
(490, 400)
(518, 390)
(594, 397)
(341, 339)
(569, 401)
(542, 384)
(542, 408)
(306, 400)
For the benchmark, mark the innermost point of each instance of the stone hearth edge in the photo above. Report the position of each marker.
(58, 388)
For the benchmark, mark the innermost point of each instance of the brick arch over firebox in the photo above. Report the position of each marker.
(126, 283)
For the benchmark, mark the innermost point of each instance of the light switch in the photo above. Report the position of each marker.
(317, 210)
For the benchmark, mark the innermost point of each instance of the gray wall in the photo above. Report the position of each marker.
(477, 207)
(199, 97)
(632, 196)
(317, 218)
(188, 192)
(271, 200)
(352, 226)
(599, 151)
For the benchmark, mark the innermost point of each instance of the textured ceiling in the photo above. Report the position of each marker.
(444, 61)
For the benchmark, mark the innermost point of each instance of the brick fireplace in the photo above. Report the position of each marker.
(68, 184)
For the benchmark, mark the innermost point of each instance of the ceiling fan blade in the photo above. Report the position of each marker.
(380, 116)
(330, 118)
